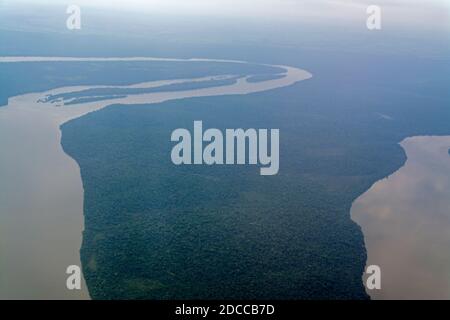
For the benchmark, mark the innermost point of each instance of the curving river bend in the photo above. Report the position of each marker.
(405, 218)
(41, 192)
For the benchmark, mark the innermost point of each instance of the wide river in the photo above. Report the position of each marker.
(405, 219)
(41, 192)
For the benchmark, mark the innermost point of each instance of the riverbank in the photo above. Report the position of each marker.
(41, 220)
(405, 220)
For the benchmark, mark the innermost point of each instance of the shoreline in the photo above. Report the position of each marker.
(41, 215)
(401, 234)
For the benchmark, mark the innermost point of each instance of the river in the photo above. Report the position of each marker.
(41, 191)
(405, 219)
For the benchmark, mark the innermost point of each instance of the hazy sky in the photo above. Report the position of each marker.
(419, 13)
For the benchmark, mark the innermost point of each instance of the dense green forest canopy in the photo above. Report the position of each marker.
(158, 231)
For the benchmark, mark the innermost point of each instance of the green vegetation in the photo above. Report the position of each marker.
(99, 94)
(227, 232)
(155, 231)
(20, 78)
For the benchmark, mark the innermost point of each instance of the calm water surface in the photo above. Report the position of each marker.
(405, 219)
(41, 192)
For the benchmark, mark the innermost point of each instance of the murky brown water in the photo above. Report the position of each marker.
(405, 219)
(41, 193)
